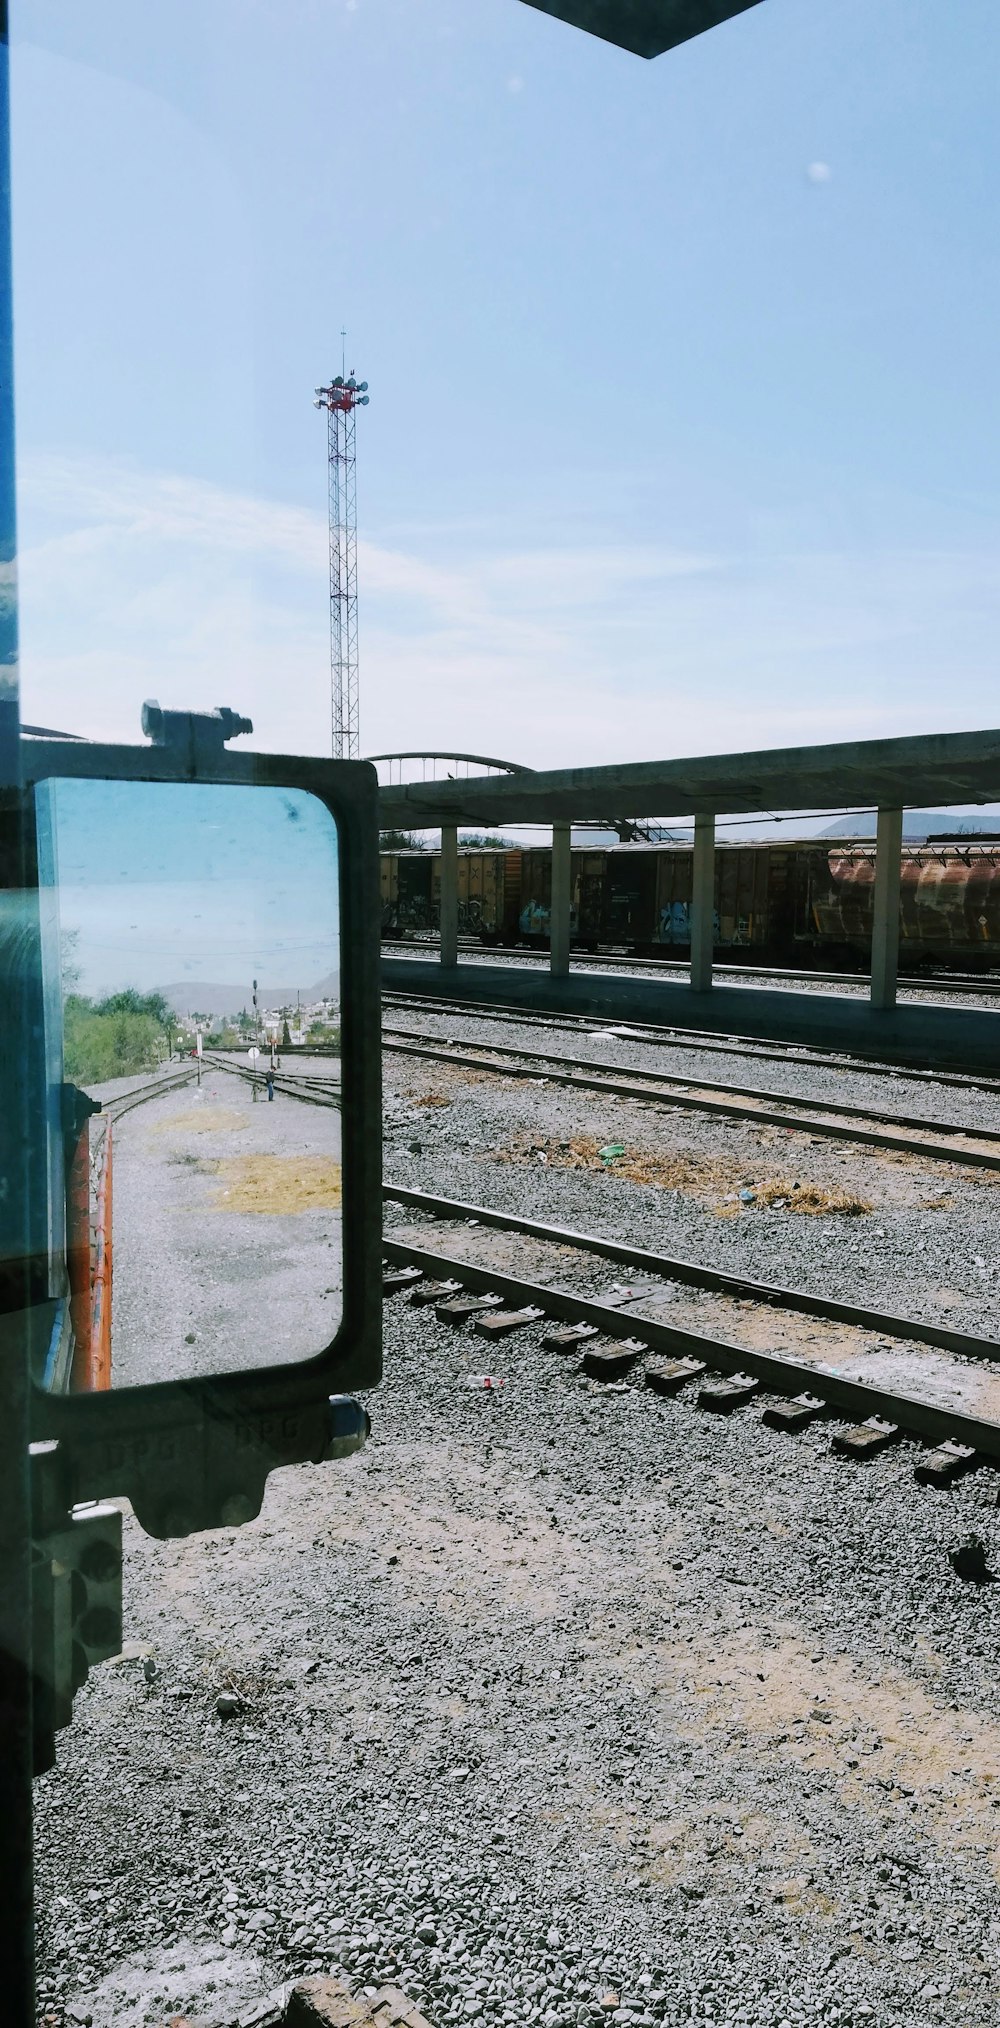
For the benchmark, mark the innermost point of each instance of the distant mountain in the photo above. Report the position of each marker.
(917, 824)
(207, 997)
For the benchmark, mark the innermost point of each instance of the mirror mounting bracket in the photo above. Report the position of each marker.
(208, 1468)
(196, 734)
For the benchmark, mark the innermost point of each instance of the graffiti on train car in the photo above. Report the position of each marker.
(949, 899)
(805, 902)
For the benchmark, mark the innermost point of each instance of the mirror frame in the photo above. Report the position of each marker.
(196, 1452)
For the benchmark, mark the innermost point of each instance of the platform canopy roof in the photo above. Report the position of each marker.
(648, 27)
(934, 768)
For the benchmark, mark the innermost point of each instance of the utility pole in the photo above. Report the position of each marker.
(341, 399)
(256, 1044)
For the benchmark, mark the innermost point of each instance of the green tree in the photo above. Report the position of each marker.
(130, 1001)
(319, 1032)
(114, 1037)
(99, 1046)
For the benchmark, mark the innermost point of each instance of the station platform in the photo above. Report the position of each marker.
(912, 1033)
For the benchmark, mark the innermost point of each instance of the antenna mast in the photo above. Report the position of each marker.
(341, 400)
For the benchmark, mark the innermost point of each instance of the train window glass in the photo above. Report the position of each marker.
(192, 948)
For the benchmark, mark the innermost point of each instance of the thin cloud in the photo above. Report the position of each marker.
(137, 584)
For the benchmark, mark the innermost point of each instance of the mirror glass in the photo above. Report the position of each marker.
(192, 965)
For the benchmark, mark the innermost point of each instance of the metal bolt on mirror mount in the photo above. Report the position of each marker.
(350, 1427)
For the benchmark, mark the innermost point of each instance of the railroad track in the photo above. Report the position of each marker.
(960, 982)
(614, 1342)
(312, 1090)
(691, 1274)
(707, 1042)
(975, 1147)
(126, 1101)
(970, 1147)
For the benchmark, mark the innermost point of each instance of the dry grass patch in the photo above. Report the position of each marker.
(583, 1151)
(252, 1682)
(205, 1120)
(810, 1198)
(277, 1184)
(713, 1179)
(427, 1098)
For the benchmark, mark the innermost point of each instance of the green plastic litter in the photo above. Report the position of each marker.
(612, 1151)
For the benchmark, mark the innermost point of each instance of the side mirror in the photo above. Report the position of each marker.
(207, 1200)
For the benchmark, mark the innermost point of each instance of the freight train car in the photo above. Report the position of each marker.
(488, 893)
(638, 897)
(804, 903)
(634, 896)
(949, 907)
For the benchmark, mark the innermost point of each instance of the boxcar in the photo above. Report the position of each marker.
(805, 903)
(488, 893)
(949, 907)
(647, 898)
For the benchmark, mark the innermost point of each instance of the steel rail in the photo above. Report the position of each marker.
(779, 1374)
(583, 960)
(126, 1101)
(686, 1099)
(840, 1107)
(706, 1041)
(304, 1077)
(296, 1087)
(690, 1273)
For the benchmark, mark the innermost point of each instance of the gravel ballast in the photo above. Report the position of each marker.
(928, 1246)
(563, 1704)
(554, 1697)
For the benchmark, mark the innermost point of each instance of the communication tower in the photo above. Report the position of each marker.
(341, 400)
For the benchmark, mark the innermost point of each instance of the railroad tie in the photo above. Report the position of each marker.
(866, 1439)
(795, 1414)
(722, 1396)
(566, 1337)
(612, 1361)
(949, 1461)
(668, 1376)
(458, 1309)
(500, 1323)
(399, 1278)
(433, 1292)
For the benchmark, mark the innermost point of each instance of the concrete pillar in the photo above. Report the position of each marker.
(885, 926)
(703, 903)
(562, 895)
(449, 894)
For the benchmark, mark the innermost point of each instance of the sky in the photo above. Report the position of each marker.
(684, 403)
(181, 883)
